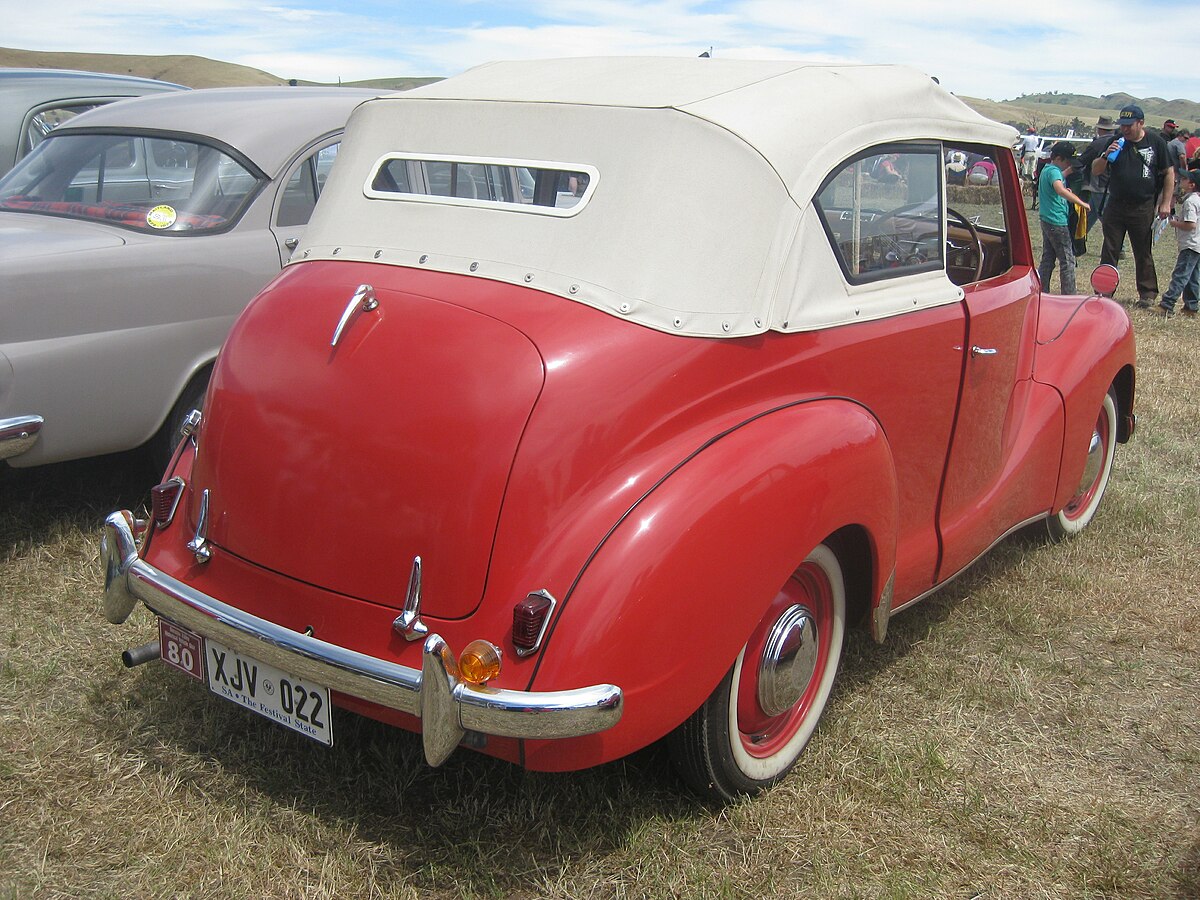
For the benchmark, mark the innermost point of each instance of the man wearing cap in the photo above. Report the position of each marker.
(1096, 188)
(1141, 184)
(1168, 130)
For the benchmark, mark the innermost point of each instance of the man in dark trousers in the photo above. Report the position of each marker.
(1141, 185)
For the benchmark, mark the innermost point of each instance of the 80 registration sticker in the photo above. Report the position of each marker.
(294, 702)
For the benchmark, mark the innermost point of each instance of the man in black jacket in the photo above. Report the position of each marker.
(1140, 188)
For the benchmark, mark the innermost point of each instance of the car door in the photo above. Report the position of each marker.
(1004, 453)
(298, 196)
(882, 211)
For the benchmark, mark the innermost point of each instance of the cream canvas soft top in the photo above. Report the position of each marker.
(699, 219)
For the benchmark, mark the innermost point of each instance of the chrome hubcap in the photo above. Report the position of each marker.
(1095, 459)
(789, 660)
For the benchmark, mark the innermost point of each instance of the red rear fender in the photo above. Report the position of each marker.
(671, 594)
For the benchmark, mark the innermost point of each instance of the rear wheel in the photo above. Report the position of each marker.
(752, 728)
(1079, 511)
(162, 445)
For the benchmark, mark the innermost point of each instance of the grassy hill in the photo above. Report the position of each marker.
(193, 71)
(1054, 109)
(1048, 112)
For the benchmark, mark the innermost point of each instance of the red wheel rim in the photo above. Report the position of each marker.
(762, 735)
(1081, 502)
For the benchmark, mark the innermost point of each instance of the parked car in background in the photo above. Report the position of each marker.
(603, 396)
(138, 231)
(33, 102)
(1045, 143)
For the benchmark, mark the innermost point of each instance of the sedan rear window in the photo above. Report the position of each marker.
(557, 189)
(152, 184)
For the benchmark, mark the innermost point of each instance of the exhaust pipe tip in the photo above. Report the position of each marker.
(136, 656)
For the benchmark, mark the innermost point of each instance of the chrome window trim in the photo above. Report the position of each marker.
(563, 213)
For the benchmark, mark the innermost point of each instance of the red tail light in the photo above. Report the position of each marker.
(164, 500)
(530, 618)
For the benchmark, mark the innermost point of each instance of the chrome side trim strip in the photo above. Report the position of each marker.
(941, 584)
(18, 434)
(446, 706)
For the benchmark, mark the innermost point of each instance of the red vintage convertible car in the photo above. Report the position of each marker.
(601, 398)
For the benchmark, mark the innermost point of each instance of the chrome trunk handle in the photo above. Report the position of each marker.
(364, 294)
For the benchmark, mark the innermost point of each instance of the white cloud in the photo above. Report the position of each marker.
(989, 51)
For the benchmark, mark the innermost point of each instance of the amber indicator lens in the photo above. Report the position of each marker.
(528, 618)
(479, 662)
(163, 498)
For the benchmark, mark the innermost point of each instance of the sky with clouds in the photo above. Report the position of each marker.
(990, 50)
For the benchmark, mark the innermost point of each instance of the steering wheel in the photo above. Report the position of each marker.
(973, 232)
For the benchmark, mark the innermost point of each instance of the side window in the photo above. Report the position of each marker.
(882, 211)
(304, 187)
(116, 171)
(46, 120)
(977, 240)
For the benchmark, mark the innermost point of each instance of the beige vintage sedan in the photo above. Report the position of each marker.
(137, 232)
(33, 102)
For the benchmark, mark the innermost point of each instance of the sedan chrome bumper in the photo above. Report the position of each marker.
(18, 434)
(447, 706)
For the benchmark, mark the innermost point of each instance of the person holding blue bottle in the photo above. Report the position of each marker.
(1141, 186)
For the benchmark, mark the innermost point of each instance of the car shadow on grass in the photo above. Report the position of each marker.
(952, 609)
(491, 826)
(43, 503)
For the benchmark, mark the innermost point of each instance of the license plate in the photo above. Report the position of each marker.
(296, 703)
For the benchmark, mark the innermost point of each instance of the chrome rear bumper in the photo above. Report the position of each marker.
(447, 707)
(18, 434)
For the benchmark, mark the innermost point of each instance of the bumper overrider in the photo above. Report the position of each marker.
(447, 706)
(18, 434)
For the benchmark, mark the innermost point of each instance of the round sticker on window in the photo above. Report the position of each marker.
(161, 217)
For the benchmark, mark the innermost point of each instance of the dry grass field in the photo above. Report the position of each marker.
(1031, 731)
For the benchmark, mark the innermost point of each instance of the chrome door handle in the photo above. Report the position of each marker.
(291, 243)
(983, 351)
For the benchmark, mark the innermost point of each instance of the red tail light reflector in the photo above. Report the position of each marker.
(530, 618)
(164, 500)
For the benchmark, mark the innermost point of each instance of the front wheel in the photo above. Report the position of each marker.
(1079, 511)
(751, 730)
